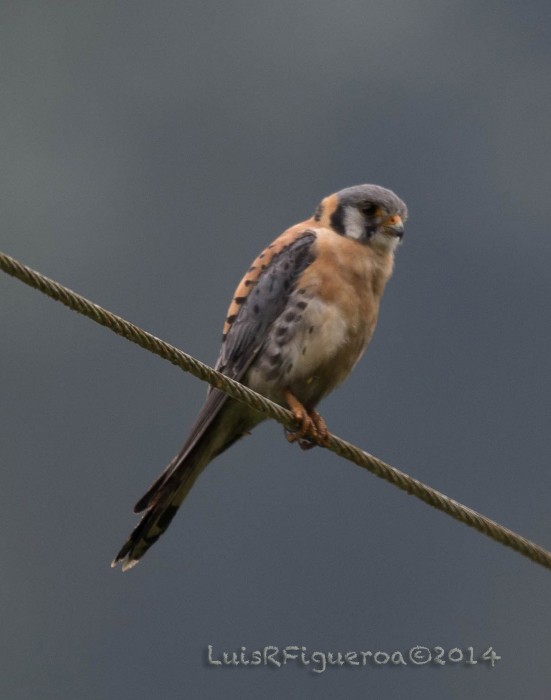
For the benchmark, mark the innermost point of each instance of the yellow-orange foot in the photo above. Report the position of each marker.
(312, 429)
(321, 428)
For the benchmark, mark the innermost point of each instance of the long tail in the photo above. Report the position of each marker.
(165, 497)
(216, 429)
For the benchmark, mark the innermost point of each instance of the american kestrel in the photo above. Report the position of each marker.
(300, 319)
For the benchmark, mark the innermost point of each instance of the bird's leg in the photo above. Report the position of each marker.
(312, 429)
(321, 428)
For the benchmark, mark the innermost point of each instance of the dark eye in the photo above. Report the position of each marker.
(369, 209)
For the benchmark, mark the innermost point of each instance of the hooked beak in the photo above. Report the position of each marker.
(395, 225)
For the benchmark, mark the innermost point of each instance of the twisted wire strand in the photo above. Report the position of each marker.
(344, 449)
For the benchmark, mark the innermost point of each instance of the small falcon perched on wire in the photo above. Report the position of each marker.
(299, 321)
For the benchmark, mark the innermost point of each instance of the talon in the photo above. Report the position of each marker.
(305, 443)
(290, 435)
(321, 429)
(312, 429)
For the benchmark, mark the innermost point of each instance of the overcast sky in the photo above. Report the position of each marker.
(149, 152)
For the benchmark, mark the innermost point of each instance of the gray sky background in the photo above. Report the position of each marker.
(149, 151)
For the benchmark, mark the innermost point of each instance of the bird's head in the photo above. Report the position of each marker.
(370, 214)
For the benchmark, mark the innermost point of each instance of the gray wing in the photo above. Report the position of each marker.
(257, 312)
(264, 303)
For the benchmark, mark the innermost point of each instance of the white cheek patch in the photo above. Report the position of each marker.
(354, 227)
(354, 223)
